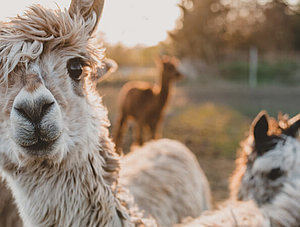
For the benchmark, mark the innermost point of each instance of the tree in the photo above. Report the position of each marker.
(202, 30)
(211, 28)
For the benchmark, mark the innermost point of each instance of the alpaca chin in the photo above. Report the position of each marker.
(54, 153)
(41, 149)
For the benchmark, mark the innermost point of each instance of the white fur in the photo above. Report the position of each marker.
(170, 185)
(283, 193)
(232, 214)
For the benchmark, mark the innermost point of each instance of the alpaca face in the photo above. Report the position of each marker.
(48, 105)
(170, 69)
(271, 162)
(35, 116)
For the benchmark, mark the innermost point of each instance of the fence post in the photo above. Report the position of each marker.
(253, 60)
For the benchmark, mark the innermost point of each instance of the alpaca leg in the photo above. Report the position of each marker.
(153, 131)
(121, 123)
(139, 134)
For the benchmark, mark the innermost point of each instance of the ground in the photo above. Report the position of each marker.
(211, 118)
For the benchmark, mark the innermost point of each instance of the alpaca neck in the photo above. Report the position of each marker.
(164, 90)
(54, 196)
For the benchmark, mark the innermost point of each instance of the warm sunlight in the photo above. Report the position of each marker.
(130, 22)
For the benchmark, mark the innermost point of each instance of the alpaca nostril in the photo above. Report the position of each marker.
(22, 112)
(46, 108)
(34, 113)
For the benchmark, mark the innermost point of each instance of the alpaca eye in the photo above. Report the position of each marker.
(275, 173)
(74, 67)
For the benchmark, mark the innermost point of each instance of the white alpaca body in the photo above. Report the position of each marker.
(166, 181)
(244, 214)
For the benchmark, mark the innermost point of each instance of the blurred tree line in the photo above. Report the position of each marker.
(213, 37)
(137, 56)
(212, 29)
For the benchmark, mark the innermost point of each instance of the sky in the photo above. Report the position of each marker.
(131, 22)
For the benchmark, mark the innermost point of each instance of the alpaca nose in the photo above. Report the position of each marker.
(34, 111)
(36, 120)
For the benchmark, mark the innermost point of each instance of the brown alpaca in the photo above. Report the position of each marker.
(145, 103)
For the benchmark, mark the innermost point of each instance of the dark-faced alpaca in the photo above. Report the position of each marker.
(265, 187)
(268, 170)
(145, 103)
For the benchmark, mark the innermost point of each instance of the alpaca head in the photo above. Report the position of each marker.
(48, 71)
(170, 68)
(268, 170)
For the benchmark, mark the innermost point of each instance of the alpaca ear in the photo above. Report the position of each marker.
(108, 66)
(175, 61)
(293, 126)
(87, 8)
(165, 58)
(260, 127)
(159, 61)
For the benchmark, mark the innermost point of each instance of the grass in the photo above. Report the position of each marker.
(280, 71)
(209, 129)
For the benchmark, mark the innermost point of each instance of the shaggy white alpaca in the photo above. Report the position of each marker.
(55, 152)
(169, 182)
(8, 215)
(266, 184)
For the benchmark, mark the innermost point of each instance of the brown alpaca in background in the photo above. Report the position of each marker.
(144, 103)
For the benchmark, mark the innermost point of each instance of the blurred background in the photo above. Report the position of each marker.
(238, 57)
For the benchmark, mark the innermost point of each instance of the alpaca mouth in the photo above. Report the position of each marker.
(40, 147)
(180, 76)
